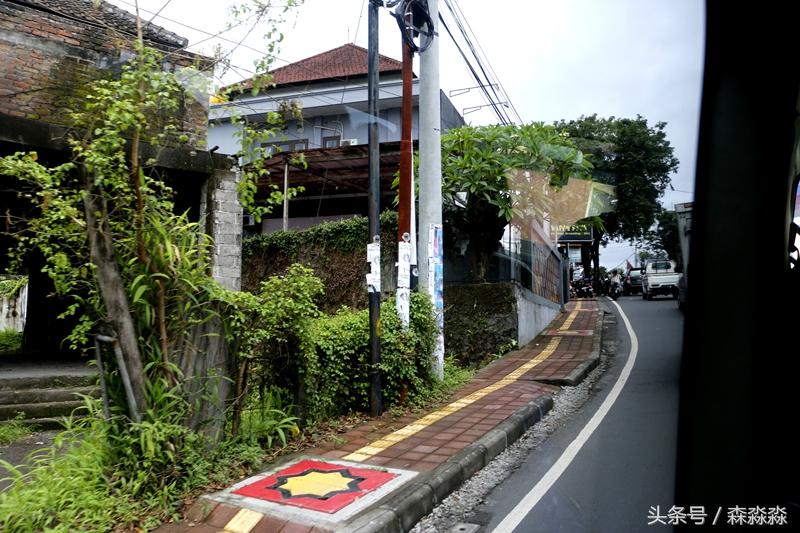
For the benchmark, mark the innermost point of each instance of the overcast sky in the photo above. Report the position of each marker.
(556, 59)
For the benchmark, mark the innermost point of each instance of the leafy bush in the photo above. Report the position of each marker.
(341, 380)
(10, 341)
(95, 478)
(323, 361)
(10, 287)
(334, 250)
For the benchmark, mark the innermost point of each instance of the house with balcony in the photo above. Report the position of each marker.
(331, 90)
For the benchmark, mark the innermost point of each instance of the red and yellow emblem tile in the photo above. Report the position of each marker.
(317, 485)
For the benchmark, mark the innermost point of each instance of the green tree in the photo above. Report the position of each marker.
(637, 159)
(479, 201)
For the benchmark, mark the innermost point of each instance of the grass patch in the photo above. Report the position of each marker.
(84, 482)
(14, 430)
(10, 341)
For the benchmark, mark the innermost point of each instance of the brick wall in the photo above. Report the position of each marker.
(45, 58)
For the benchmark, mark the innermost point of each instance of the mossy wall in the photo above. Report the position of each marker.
(480, 320)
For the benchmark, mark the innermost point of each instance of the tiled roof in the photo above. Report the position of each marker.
(107, 15)
(340, 63)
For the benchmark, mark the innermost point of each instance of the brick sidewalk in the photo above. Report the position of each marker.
(413, 459)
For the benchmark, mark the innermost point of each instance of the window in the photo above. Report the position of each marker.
(331, 142)
(286, 146)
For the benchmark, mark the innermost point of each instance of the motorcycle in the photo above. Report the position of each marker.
(616, 291)
(583, 288)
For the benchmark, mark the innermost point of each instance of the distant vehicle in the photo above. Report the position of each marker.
(632, 284)
(684, 216)
(660, 278)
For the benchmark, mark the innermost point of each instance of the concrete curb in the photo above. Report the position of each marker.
(400, 511)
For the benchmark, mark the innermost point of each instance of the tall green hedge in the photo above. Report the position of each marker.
(336, 251)
(342, 349)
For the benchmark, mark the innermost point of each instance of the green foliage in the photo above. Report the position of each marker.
(255, 138)
(11, 287)
(324, 361)
(476, 160)
(14, 430)
(108, 474)
(479, 201)
(276, 320)
(264, 418)
(334, 250)
(341, 379)
(635, 157)
(10, 341)
(95, 478)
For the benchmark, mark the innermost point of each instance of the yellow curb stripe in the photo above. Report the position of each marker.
(244, 521)
(381, 444)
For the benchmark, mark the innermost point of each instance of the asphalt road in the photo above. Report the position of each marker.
(627, 464)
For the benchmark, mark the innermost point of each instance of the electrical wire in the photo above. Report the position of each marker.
(475, 75)
(471, 46)
(253, 49)
(490, 77)
(504, 93)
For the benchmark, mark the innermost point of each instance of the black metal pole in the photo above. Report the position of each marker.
(375, 402)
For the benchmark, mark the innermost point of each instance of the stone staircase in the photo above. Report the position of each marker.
(45, 392)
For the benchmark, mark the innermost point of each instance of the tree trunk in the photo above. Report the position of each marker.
(207, 364)
(112, 290)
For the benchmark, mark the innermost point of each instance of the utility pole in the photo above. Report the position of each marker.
(405, 208)
(430, 256)
(374, 246)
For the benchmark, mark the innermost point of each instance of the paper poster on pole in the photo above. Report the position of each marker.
(404, 264)
(403, 305)
(436, 290)
(374, 260)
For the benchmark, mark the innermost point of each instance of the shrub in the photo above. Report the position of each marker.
(323, 361)
(10, 341)
(341, 383)
(96, 478)
(336, 251)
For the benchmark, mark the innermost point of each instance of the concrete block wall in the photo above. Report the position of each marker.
(222, 212)
(46, 58)
(534, 313)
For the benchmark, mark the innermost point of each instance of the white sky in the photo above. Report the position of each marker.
(556, 59)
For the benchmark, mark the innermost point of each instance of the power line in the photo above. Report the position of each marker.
(488, 63)
(506, 119)
(253, 49)
(489, 99)
(164, 5)
(360, 16)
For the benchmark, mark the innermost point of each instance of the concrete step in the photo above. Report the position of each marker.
(23, 396)
(33, 411)
(23, 382)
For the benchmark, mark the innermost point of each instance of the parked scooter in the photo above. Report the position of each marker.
(583, 288)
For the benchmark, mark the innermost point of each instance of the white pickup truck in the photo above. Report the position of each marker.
(660, 278)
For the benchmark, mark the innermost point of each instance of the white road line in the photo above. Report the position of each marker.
(527, 503)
